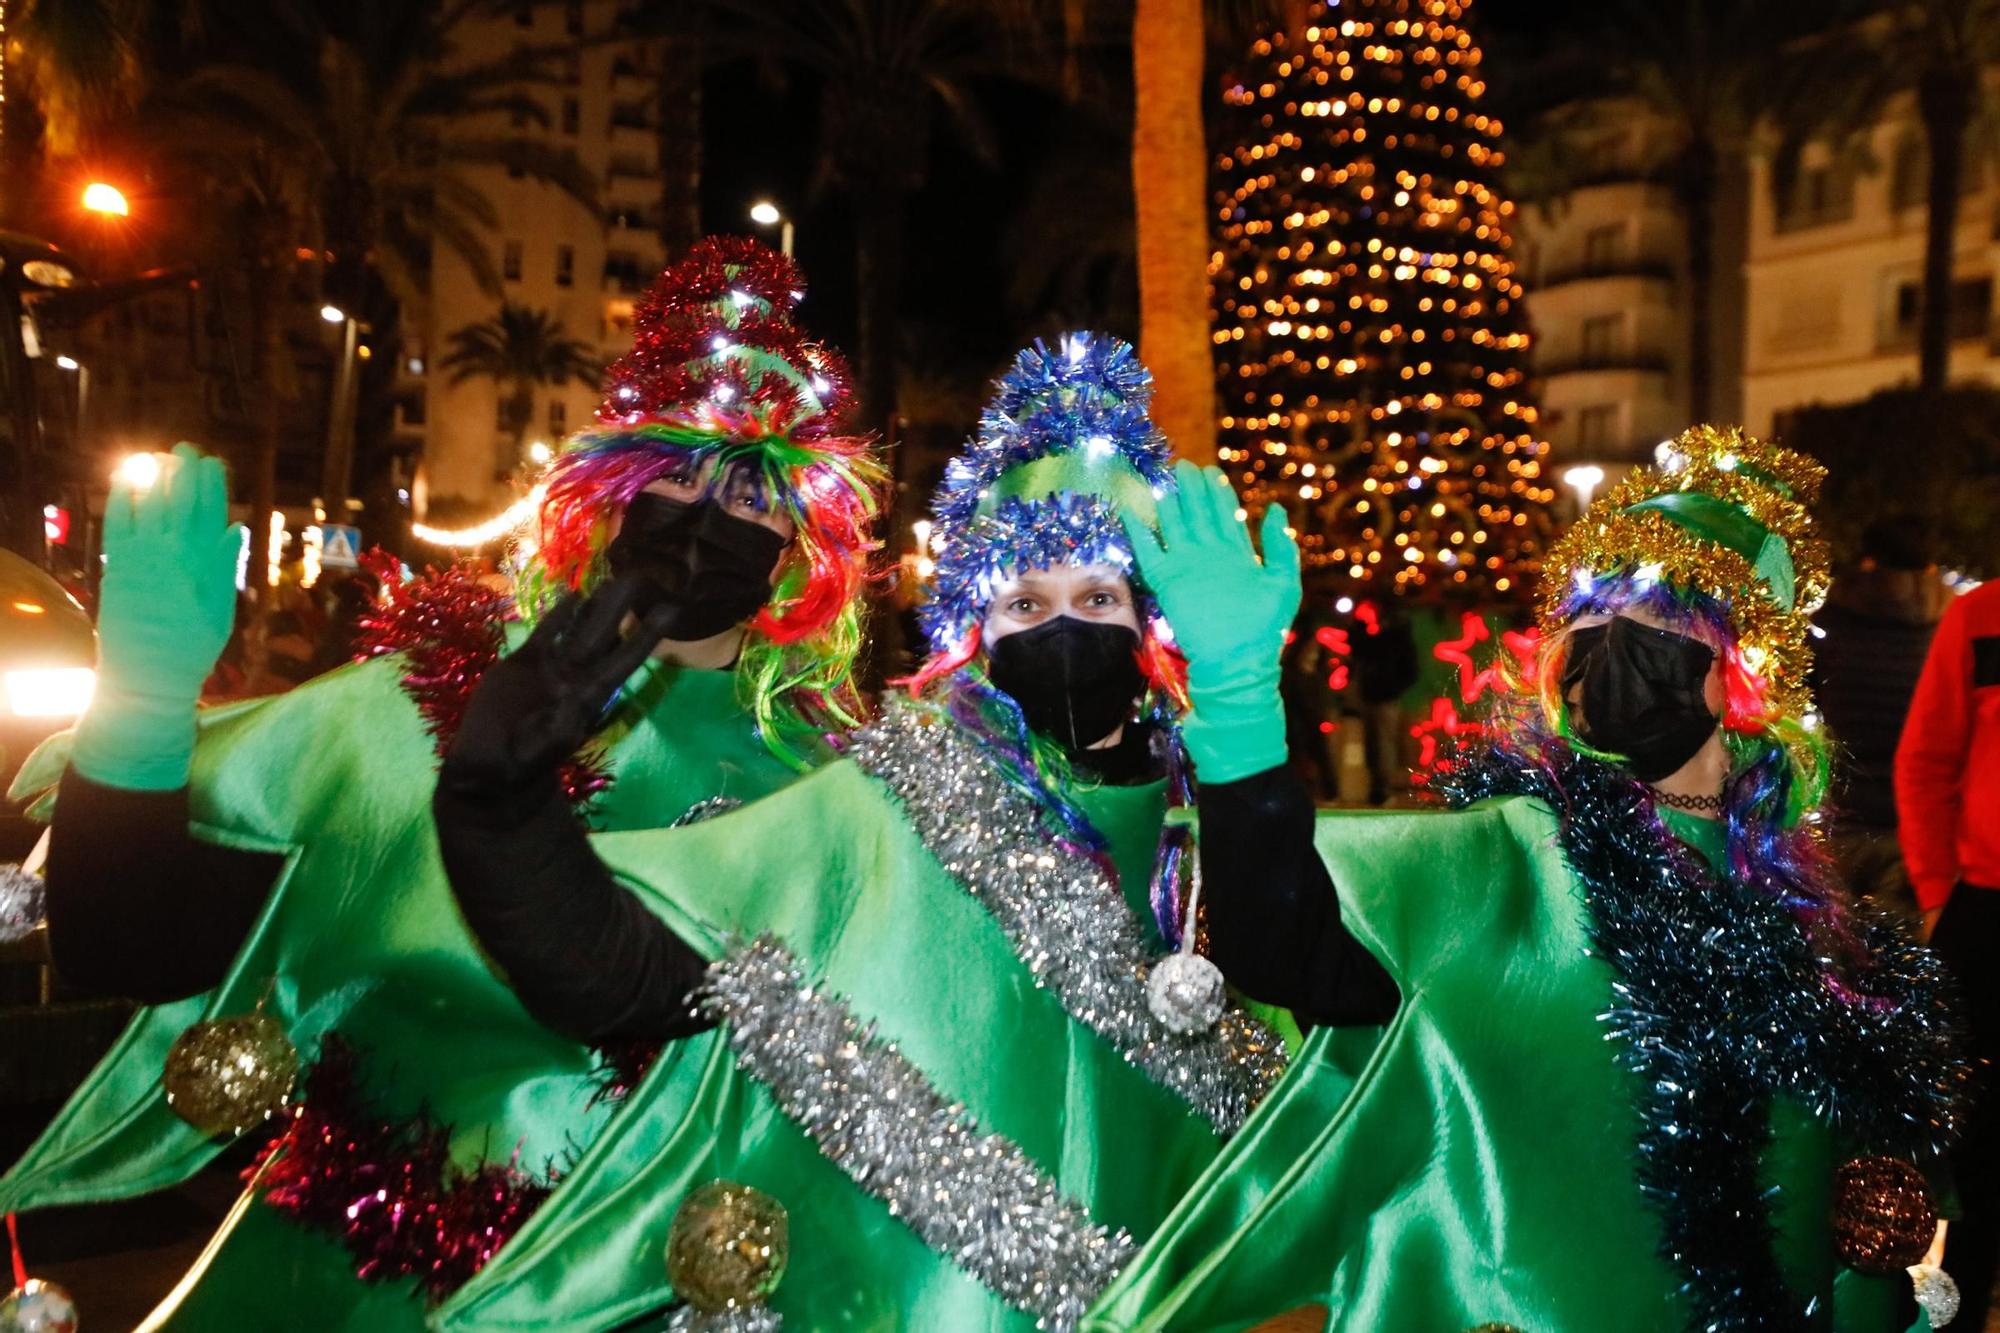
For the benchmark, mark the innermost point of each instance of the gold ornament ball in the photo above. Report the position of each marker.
(728, 1247)
(225, 1075)
(1883, 1220)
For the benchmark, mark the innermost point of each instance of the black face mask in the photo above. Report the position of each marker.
(713, 568)
(1075, 680)
(1641, 694)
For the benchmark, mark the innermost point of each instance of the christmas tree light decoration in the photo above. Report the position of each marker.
(1370, 347)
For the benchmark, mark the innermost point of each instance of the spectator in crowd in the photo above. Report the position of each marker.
(1948, 800)
(1874, 632)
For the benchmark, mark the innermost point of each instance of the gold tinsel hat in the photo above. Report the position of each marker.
(1724, 514)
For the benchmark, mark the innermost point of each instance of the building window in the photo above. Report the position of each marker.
(510, 261)
(572, 68)
(1603, 248)
(1971, 310)
(503, 417)
(565, 265)
(1910, 176)
(524, 15)
(1601, 337)
(558, 417)
(1822, 195)
(573, 18)
(572, 116)
(413, 408)
(1597, 427)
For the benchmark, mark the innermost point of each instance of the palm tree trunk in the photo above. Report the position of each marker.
(1697, 188)
(680, 143)
(1945, 100)
(521, 416)
(879, 232)
(1170, 180)
(269, 332)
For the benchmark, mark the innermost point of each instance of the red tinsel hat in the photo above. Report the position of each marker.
(714, 347)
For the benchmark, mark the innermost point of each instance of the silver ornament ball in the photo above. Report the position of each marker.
(1936, 1292)
(22, 903)
(38, 1307)
(1184, 991)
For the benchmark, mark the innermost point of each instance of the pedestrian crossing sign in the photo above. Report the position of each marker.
(339, 546)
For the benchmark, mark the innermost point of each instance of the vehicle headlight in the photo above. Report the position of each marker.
(50, 691)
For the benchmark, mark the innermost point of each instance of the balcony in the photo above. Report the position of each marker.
(1644, 363)
(632, 166)
(625, 277)
(1591, 270)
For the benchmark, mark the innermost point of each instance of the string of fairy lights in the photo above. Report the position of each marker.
(1369, 343)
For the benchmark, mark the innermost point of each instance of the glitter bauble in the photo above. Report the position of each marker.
(38, 1307)
(728, 1247)
(1883, 1220)
(21, 903)
(1936, 1292)
(226, 1075)
(1184, 991)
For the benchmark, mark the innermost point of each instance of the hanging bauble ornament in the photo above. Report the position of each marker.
(726, 1254)
(1883, 1220)
(38, 1307)
(1936, 1292)
(226, 1075)
(1184, 991)
(22, 903)
(1493, 1328)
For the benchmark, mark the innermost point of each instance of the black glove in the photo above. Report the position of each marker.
(537, 706)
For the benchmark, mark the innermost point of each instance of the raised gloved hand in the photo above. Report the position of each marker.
(536, 707)
(1229, 612)
(165, 609)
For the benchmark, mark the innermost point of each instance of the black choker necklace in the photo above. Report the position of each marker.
(1679, 802)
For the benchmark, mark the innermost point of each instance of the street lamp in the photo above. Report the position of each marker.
(1583, 479)
(332, 314)
(338, 472)
(766, 214)
(99, 197)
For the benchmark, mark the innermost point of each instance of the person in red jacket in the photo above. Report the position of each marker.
(1948, 812)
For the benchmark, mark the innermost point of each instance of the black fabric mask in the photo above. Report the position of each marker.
(1075, 680)
(713, 568)
(1641, 694)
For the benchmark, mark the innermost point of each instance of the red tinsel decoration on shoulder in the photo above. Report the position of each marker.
(674, 370)
(388, 1189)
(450, 627)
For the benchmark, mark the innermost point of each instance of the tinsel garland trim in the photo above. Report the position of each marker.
(387, 1189)
(1061, 911)
(759, 1320)
(1720, 1003)
(448, 626)
(975, 1198)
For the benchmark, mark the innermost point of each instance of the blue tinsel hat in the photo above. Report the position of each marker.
(1064, 447)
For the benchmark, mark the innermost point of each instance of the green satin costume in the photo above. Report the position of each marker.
(362, 936)
(364, 939)
(1473, 1162)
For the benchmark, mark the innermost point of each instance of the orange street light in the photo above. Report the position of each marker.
(101, 198)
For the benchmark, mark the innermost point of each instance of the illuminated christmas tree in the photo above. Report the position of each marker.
(1370, 350)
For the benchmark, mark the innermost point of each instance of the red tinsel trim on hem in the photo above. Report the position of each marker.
(388, 1189)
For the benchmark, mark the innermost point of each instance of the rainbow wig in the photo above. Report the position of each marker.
(719, 373)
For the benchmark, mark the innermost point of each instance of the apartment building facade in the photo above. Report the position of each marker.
(551, 253)
(1834, 274)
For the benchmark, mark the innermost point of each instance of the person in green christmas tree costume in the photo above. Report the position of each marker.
(965, 1045)
(695, 595)
(1651, 1071)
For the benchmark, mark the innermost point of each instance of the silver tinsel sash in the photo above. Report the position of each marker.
(1064, 916)
(975, 1198)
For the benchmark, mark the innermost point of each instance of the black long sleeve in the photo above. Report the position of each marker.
(137, 906)
(1274, 924)
(579, 948)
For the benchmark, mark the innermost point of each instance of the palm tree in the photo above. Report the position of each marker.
(886, 71)
(1170, 179)
(519, 350)
(1938, 50)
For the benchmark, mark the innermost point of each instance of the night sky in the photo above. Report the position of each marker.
(761, 140)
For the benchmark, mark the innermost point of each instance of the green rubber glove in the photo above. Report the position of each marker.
(1230, 614)
(164, 613)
